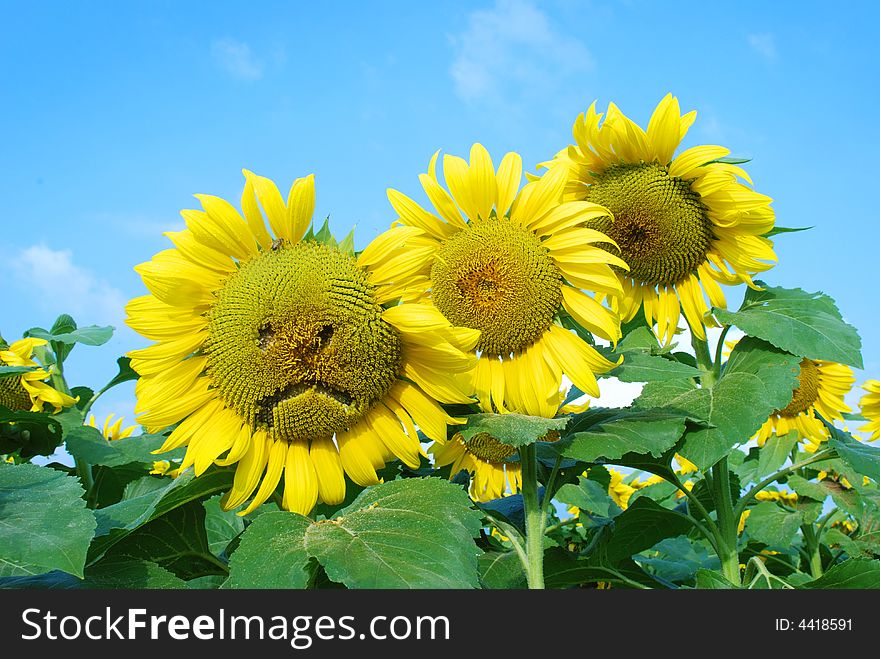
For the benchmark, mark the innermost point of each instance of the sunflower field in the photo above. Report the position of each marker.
(420, 414)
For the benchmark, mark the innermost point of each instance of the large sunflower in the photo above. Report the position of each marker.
(511, 264)
(683, 224)
(821, 388)
(870, 406)
(278, 355)
(29, 391)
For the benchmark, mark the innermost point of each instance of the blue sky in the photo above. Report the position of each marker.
(114, 114)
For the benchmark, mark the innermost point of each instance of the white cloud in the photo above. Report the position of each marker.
(52, 277)
(764, 44)
(511, 50)
(236, 58)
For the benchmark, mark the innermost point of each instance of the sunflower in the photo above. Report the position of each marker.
(821, 388)
(494, 466)
(683, 225)
(870, 405)
(113, 430)
(29, 391)
(512, 264)
(274, 352)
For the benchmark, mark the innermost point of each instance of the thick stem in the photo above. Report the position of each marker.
(811, 540)
(727, 523)
(535, 518)
(83, 468)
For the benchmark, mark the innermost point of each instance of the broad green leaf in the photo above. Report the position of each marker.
(643, 367)
(176, 541)
(862, 458)
(88, 444)
(123, 572)
(712, 580)
(808, 489)
(834, 537)
(90, 336)
(44, 523)
(587, 495)
(511, 429)
(152, 497)
(28, 433)
(501, 570)
(804, 324)
(221, 526)
(860, 573)
(640, 527)
(562, 569)
(758, 379)
(126, 373)
(774, 453)
(677, 559)
(770, 524)
(652, 431)
(272, 554)
(411, 533)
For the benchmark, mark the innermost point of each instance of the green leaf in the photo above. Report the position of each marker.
(705, 496)
(324, 235)
(90, 336)
(757, 380)
(44, 521)
(643, 367)
(87, 443)
(860, 457)
(221, 526)
(677, 559)
(501, 570)
(563, 570)
(150, 498)
(855, 573)
(272, 554)
(511, 429)
(587, 495)
(28, 433)
(732, 160)
(712, 580)
(804, 324)
(176, 541)
(808, 489)
(774, 453)
(410, 533)
(770, 524)
(649, 431)
(777, 230)
(126, 373)
(123, 572)
(640, 527)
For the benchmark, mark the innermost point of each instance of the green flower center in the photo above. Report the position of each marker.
(297, 344)
(807, 391)
(496, 277)
(13, 395)
(486, 447)
(660, 224)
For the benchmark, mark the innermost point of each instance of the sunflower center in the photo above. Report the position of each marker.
(807, 391)
(13, 395)
(496, 277)
(296, 342)
(660, 224)
(486, 447)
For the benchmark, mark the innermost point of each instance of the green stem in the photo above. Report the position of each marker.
(535, 518)
(727, 523)
(718, 349)
(812, 543)
(83, 468)
(561, 525)
(549, 489)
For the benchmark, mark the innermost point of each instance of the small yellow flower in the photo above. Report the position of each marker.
(620, 492)
(742, 521)
(29, 392)
(113, 430)
(787, 498)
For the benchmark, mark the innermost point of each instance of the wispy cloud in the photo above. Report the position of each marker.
(511, 51)
(62, 286)
(235, 57)
(764, 44)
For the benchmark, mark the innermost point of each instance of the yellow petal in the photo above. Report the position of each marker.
(328, 469)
